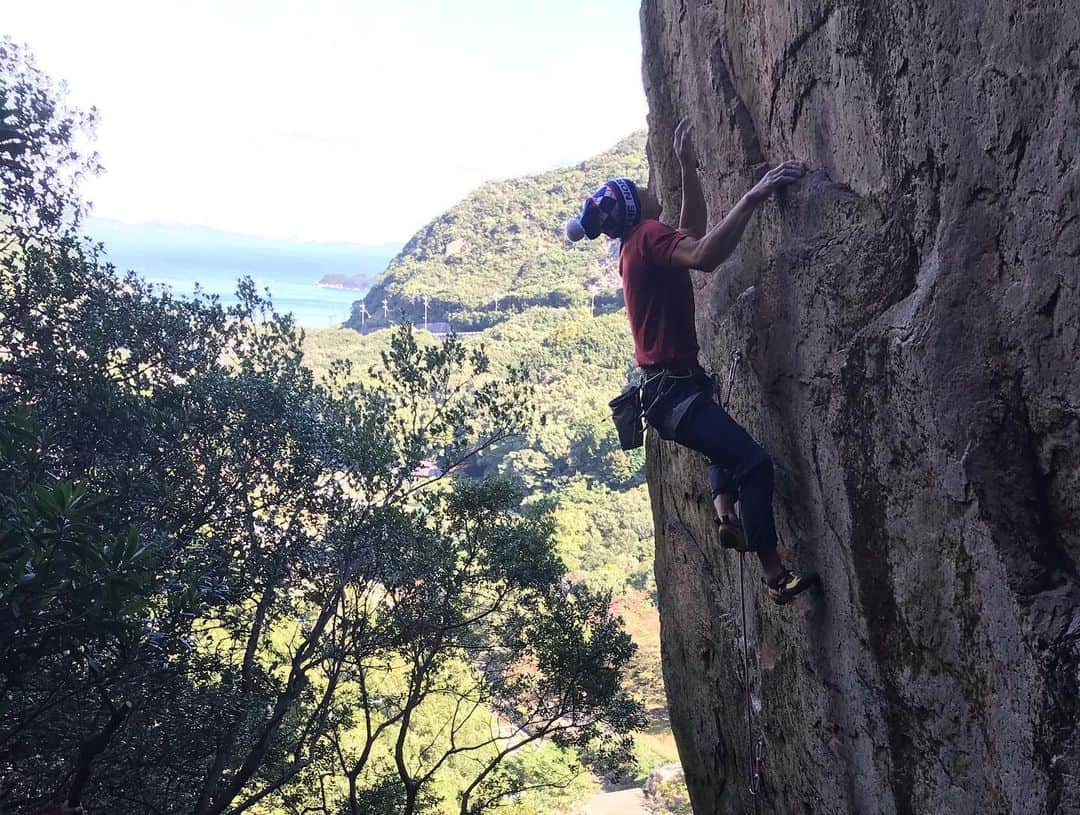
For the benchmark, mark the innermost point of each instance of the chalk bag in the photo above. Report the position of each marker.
(627, 415)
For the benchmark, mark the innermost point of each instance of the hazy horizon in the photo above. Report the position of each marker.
(333, 122)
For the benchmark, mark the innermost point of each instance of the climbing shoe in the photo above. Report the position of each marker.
(788, 585)
(731, 533)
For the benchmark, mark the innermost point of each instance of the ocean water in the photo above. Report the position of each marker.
(181, 256)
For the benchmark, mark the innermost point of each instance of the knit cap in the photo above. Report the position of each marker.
(613, 210)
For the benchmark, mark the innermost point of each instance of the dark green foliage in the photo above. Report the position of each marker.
(570, 463)
(501, 250)
(386, 796)
(476, 583)
(69, 584)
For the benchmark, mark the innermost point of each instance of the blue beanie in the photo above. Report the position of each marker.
(613, 210)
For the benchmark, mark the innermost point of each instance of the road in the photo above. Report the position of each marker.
(622, 802)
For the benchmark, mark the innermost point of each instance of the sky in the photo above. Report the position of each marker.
(333, 121)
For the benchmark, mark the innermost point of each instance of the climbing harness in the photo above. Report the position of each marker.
(628, 412)
(755, 754)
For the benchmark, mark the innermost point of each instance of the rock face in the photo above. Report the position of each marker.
(909, 317)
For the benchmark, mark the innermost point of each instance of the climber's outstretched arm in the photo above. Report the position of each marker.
(719, 242)
(692, 214)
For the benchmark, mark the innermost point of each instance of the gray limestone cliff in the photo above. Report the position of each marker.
(909, 317)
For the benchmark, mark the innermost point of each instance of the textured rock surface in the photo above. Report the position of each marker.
(909, 319)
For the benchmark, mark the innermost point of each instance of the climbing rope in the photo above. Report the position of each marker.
(755, 755)
(755, 751)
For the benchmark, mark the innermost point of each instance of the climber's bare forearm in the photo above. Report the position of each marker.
(719, 242)
(692, 214)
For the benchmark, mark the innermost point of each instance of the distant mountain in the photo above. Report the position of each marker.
(160, 234)
(148, 247)
(502, 248)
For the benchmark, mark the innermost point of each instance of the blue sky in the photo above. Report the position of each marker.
(334, 121)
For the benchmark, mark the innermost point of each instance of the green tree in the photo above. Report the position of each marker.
(480, 588)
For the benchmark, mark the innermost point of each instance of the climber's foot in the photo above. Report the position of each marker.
(730, 530)
(788, 585)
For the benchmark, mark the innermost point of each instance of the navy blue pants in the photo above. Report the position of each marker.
(682, 410)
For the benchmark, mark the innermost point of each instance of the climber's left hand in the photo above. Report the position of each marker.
(684, 143)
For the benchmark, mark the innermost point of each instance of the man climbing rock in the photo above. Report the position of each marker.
(654, 263)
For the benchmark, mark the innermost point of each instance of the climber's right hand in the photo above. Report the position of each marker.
(779, 176)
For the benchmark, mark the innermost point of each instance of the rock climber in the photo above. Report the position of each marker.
(655, 262)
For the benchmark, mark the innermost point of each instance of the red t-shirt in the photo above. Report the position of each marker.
(659, 297)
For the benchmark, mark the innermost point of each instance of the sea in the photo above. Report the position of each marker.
(181, 256)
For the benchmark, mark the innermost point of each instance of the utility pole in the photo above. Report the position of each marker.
(385, 309)
(593, 307)
(426, 300)
(363, 314)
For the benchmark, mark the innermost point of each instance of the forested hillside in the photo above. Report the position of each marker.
(502, 249)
